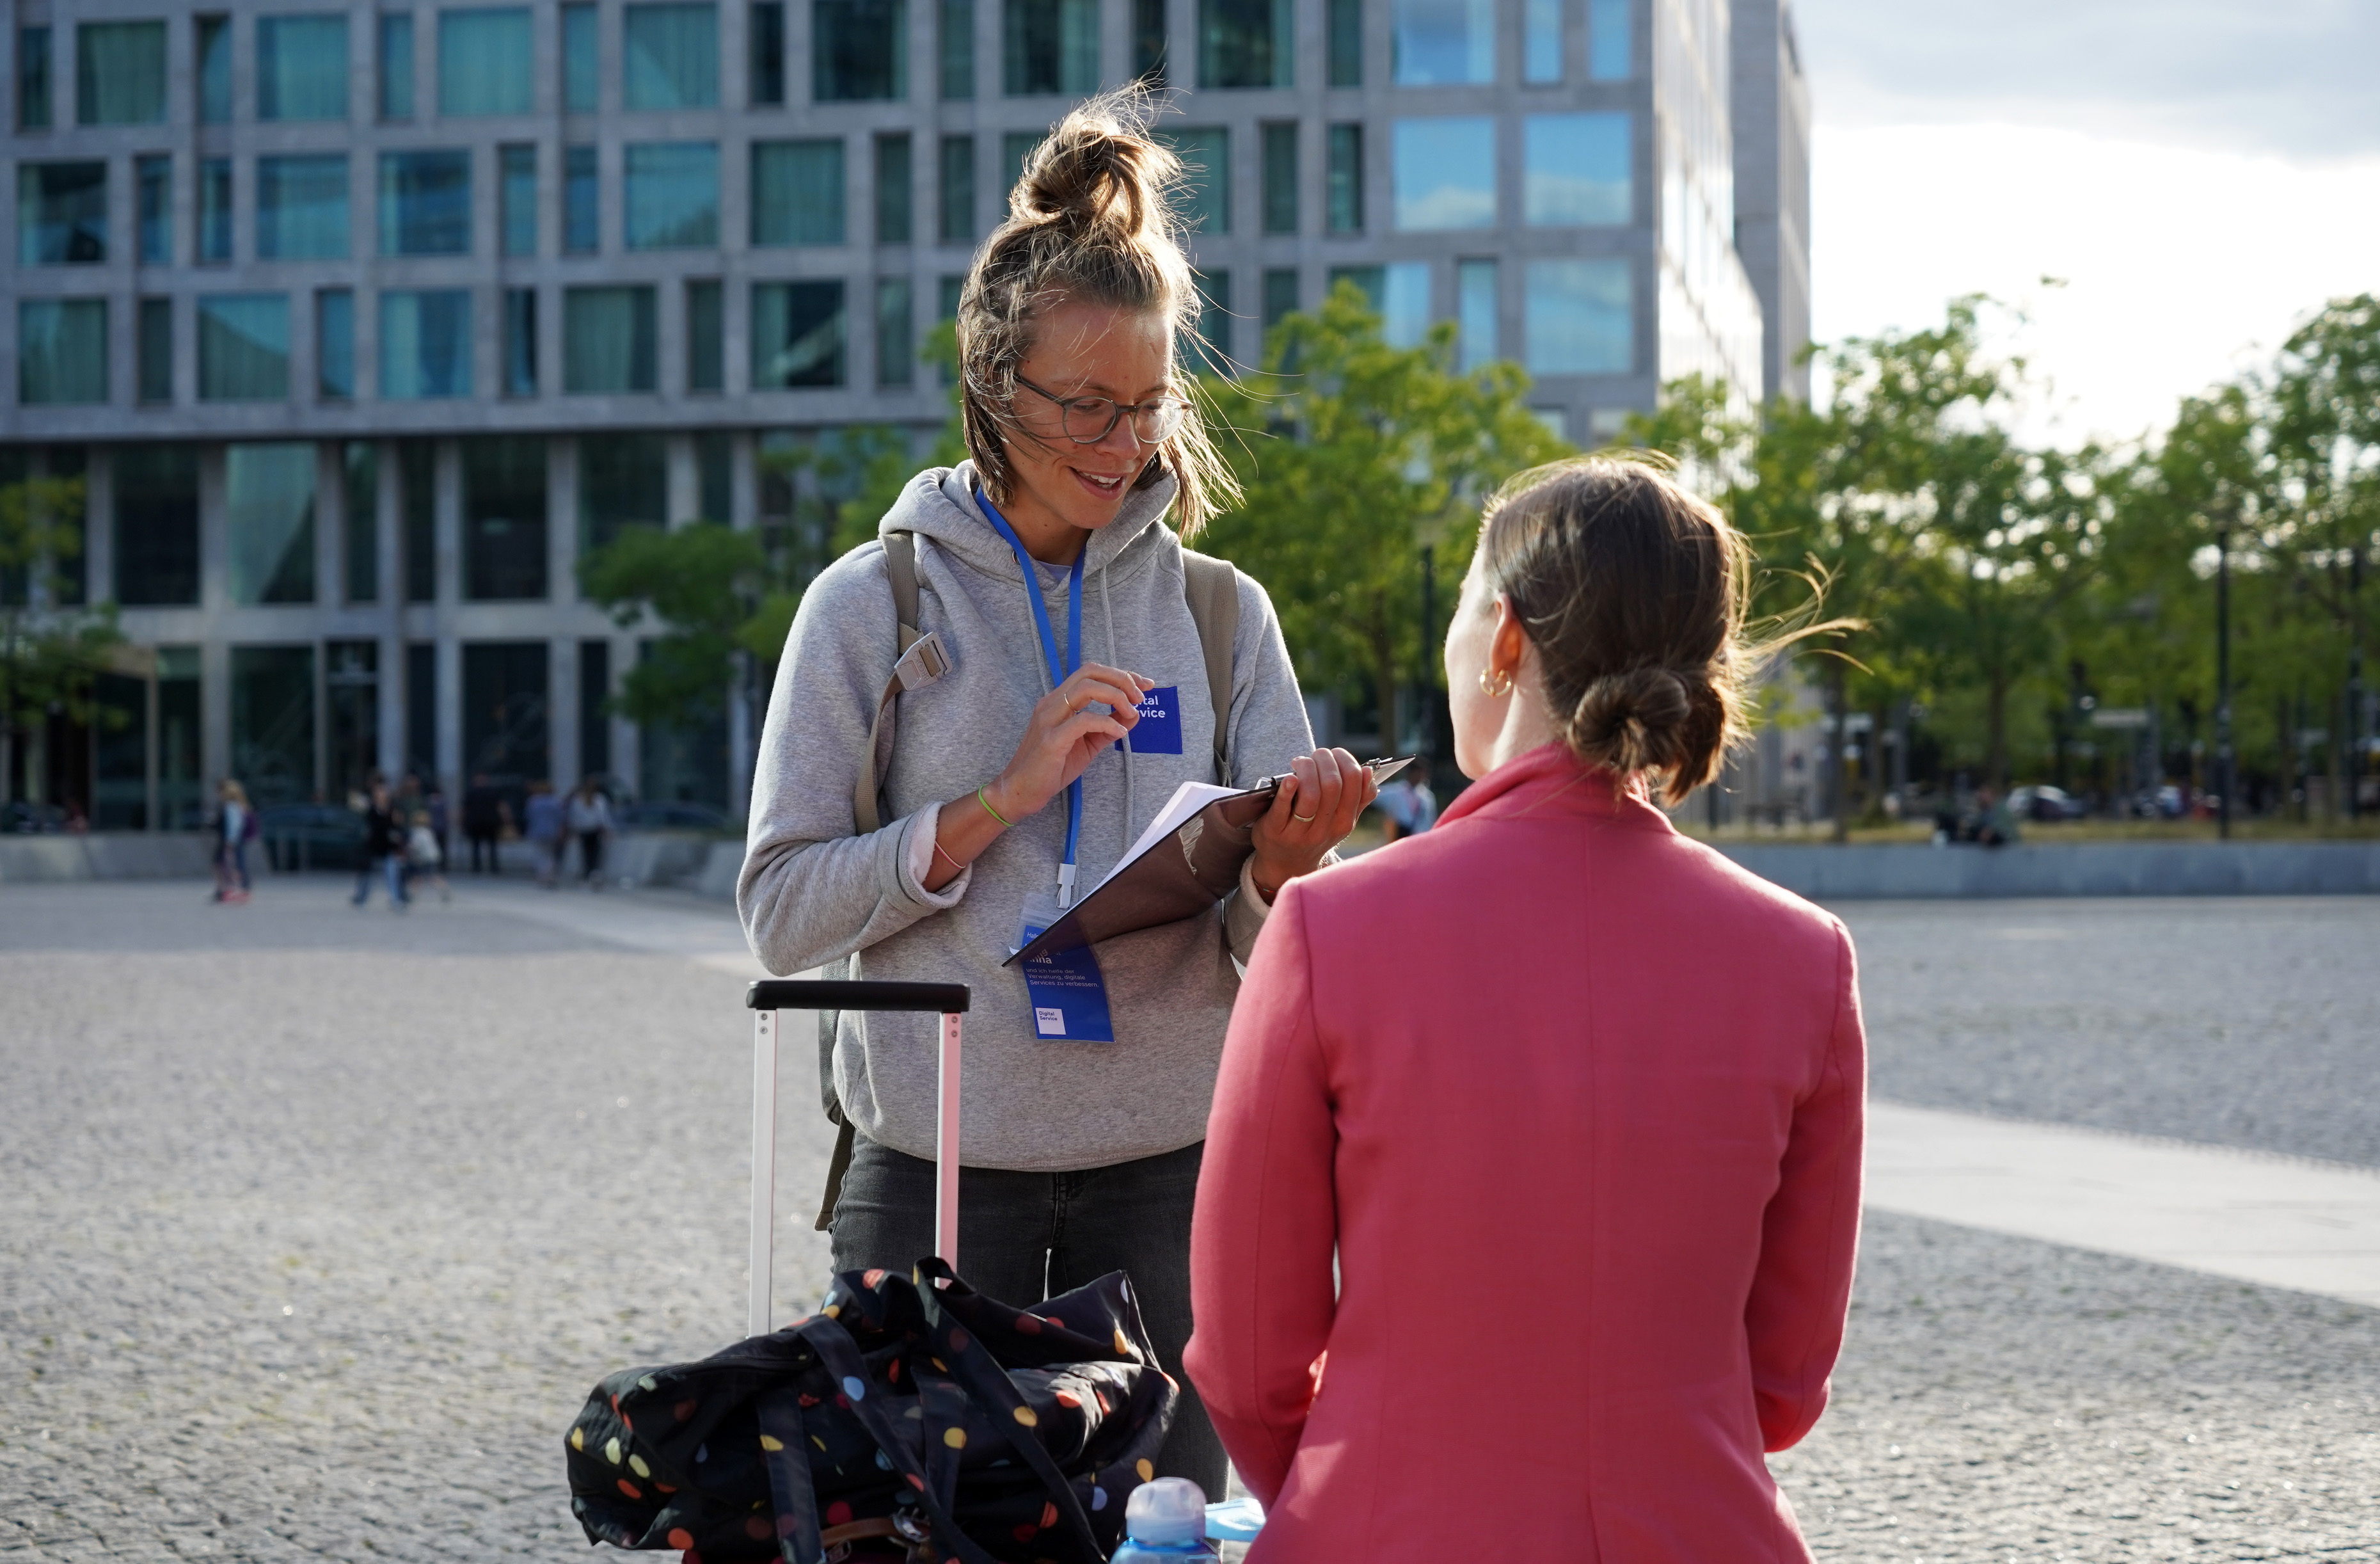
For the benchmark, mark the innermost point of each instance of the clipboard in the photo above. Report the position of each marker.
(1174, 873)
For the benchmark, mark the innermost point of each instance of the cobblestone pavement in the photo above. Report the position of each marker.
(316, 1225)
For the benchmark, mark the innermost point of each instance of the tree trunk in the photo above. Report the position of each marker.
(1838, 785)
(1995, 751)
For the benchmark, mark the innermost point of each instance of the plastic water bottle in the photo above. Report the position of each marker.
(1165, 1519)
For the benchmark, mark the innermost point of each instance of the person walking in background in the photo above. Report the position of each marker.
(1407, 804)
(425, 858)
(544, 831)
(589, 819)
(236, 826)
(484, 822)
(1612, 1124)
(383, 847)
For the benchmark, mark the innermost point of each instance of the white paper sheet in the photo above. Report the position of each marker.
(1187, 801)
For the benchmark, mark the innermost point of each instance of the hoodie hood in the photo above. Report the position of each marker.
(941, 504)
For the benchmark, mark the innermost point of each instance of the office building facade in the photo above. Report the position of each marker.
(364, 325)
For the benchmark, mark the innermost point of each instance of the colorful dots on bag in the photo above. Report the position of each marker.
(611, 1451)
(685, 1410)
(838, 1514)
(1028, 1325)
(680, 1538)
(579, 1439)
(757, 1528)
(954, 1437)
(1147, 1470)
(630, 1489)
(818, 1442)
(1098, 1498)
(1066, 1399)
(1026, 1416)
(1026, 1532)
(1122, 1347)
(647, 1383)
(958, 1339)
(771, 1443)
(873, 1278)
(854, 1388)
(636, 1464)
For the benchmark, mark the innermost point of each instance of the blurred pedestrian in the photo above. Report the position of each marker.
(589, 817)
(483, 821)
(236, 826)
(1995, 824)
(544, 831)
(383, 847)
(425, 858)
(1407, 804)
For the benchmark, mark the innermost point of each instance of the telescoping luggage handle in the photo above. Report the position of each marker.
(764, 999)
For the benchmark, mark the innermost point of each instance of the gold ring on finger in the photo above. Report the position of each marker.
(1307, 818)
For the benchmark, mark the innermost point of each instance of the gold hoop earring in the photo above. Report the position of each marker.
(1496, 685)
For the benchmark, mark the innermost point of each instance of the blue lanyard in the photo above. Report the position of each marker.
(1058, 670)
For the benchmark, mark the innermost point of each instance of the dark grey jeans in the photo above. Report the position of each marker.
(1024, 1237)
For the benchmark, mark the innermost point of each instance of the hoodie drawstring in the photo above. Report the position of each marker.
(1115, 659)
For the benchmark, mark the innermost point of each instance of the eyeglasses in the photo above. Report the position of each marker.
(1088, 420)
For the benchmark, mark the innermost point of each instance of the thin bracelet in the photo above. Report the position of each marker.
(947, 858)
(980, 799)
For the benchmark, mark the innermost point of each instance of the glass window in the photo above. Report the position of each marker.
(483, 62)
(1441, 43)
(714, 475)
(506, 686)
(1399, 294)
(797, 335)
(425, 344)
(61, 351)
(243, 348)
(272, 722)
(520, 342)
(360, 464)
(582, 202)
(1445, 173)
(581, 60)
(1016, 148)
(1212, 353)
(594, 721)
(214, 209)
(503, 521)
(396, 66)
(623, 482)
(1280, 178)
(893, 200)
(120, 73)
(1574, 169)
(335, 345)
(61, 214)
(1246, 43)
(33, 90)
(301, 208)
(156, 353)
(1345, 181)
(672, 195)
(797, 194)
(768, 50)
(706, 339)
(607, 340)
(417, 490)
(1345, 21)
(269, 521)
(1580, 317)
(156, 525)
(958, 189)
(669, 56)
(859, 49)
(152, 179)
(896, 332)
(1475, 311)
(214, 70)
(516, 199)
(1149, 35)
(1608, 55)
(425, 203)
(1541, 41)
(1049, 46)
(1205, 199)
(1279, 295)
(302, 67)
(957, 40)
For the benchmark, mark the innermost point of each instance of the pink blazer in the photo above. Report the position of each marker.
(1578, 1103)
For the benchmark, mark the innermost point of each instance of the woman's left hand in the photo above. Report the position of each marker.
(1313, 811)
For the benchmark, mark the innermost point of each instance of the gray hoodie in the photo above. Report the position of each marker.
(813, 892)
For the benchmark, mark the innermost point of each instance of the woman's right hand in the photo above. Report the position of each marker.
(1063, 736)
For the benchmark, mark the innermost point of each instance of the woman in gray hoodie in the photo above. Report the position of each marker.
(1072, 700)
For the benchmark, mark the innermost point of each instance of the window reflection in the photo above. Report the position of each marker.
(1445, 173)
(1246, 43)
(269, 517)
(243, 348)
(1574, 169)
(483, 62)
(797, 335)
(425, 203)
(669, 56)
(859, 50)
(302, 67)
(672, 195)
(1442, 42)
(1049, 46)
(1580, 317)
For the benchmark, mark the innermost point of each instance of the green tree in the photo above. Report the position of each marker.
(51, 655)
(702, 585)
(1354, 457)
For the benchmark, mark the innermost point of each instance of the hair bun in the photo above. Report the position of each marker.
(1632, 720)
(1098, 173)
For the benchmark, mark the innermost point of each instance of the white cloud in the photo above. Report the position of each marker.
(2182, 266)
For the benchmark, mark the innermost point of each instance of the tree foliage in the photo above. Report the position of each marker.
(51, 655)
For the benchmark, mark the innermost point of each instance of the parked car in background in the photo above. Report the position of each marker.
(666, 816)
(2042, 801)
(311, 836)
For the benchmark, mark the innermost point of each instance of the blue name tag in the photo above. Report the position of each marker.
(1069, 996)
(1159, 732)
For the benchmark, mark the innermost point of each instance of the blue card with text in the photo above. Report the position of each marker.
(1159, 732)
(1069, 996)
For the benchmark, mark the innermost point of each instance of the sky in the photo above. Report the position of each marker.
(2161, 190)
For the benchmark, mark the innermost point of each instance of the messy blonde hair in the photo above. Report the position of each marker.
(1091, 221)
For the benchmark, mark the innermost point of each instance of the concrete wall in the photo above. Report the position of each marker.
(1850, 874)
(105, 856)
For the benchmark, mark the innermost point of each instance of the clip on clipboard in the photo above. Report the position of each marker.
(1210, 831)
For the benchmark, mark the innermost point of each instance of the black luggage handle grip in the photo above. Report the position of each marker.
(793, 994)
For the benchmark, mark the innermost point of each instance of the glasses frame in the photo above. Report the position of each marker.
(1066, 403)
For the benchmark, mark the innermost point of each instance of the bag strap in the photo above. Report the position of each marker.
(918, 658)
(1211, 587)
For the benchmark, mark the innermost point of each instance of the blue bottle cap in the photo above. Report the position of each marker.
(1167, 1512)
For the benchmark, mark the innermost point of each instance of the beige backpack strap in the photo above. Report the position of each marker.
(921, 661)
(1212, 589)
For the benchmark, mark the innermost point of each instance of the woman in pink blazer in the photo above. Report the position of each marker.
(1575, 1103)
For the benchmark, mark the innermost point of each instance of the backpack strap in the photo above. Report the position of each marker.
(1211, 587)
(920, 663)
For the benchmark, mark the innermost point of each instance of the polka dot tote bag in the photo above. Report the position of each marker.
(904, 1420)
